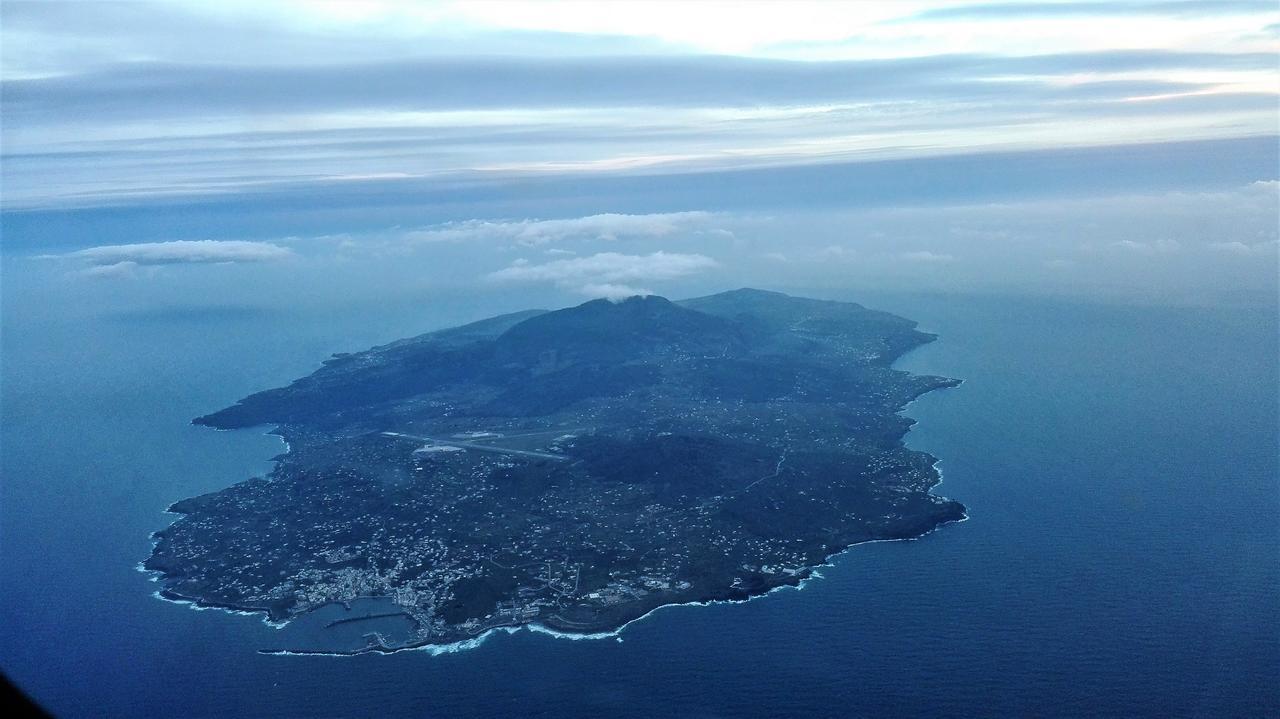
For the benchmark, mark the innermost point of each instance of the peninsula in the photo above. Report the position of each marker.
(571, 469)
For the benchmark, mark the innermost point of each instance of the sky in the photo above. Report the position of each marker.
(605, 149)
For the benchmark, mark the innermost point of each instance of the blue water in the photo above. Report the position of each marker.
(1119, 464)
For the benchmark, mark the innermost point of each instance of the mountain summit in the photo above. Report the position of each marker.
(604, 331)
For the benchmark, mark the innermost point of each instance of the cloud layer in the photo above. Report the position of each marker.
(531, 233)
(154, 90)
(128, 104)
(1190, 245)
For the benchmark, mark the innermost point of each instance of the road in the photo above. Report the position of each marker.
(480, 447)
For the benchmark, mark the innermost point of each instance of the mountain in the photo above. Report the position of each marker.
(560, 347)
(604, 331)
(573, 468)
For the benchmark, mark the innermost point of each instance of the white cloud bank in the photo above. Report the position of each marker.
(530, 233)
(607, 274)
(927, 256)
(178, 252)
(118, 269)
(1154, 247)
(1245, 249)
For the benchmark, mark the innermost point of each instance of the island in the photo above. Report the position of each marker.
(571, 470)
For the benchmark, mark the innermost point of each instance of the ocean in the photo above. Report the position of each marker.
(1119, 463)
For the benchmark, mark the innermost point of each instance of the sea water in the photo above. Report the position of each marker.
(1119, 464)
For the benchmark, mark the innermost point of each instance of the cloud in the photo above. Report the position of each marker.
(1244, 249)
(131, 103)
(613, 291)
(530, 233)
(605, 274)
(926, 256)
(125, 257)
(59, 37)
(352, 129)
(836, 252)
(118, 269)
(152, 90)
(1165, 9)
(1162, 246)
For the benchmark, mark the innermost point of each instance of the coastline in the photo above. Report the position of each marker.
(157, 576)
(811, 573)
(800, 579)
(435, 649)
(536, 628)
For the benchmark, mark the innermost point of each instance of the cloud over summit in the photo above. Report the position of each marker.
(606, 274)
